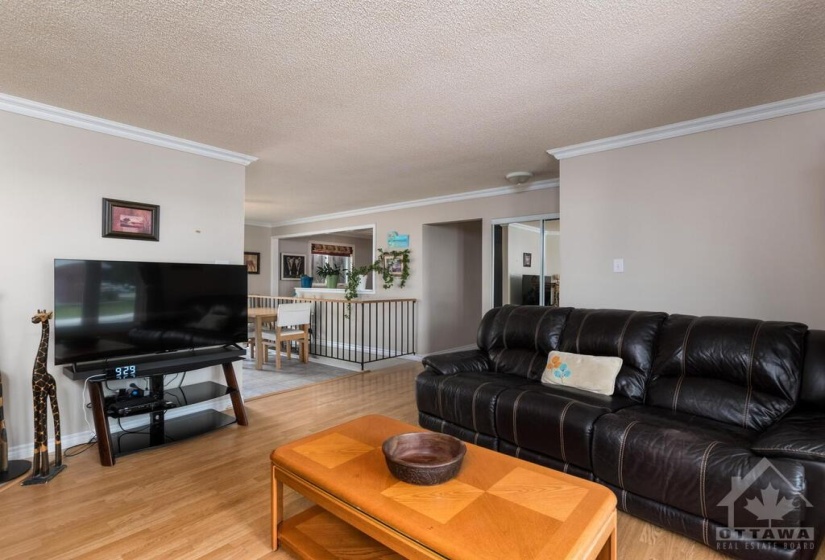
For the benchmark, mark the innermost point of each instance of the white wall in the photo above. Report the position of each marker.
(727, 222)
(257, 240)
(52, 180)
(411, 221)
(452, 253)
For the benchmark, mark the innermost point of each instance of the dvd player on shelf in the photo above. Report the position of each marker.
(138, 405)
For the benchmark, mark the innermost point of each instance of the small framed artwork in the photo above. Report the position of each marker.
(252, 262)
(292, 266)
(131, 220)
(527, 259)
(395, 265)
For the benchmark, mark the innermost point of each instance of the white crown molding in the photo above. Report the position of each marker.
(257, 224)
(37, 110)
(784, 108)
(531, 229)
(484, 193)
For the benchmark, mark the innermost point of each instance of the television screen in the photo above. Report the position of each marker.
(106, 309)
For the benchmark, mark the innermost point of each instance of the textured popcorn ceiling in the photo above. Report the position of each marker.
(354, 103)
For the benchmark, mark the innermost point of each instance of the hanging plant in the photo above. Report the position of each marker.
(353, 279)
(392, 265)
(389, 264)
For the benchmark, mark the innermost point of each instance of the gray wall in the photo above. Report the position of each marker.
(725, 222)
(451, 278)
(257, 239)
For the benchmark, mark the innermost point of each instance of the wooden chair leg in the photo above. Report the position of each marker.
(278, 355)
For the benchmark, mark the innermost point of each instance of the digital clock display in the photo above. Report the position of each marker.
(123, 372)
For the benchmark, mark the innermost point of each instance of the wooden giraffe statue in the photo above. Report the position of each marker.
(43, 388)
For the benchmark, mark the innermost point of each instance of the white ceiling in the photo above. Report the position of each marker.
(356, 103)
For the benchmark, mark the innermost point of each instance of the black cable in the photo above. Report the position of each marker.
(125, 431)
(88, 445)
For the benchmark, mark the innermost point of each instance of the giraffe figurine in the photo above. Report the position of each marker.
(44, 388)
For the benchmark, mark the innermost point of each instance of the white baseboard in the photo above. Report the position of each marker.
(456, 349)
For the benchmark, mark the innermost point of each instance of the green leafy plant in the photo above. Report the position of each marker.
(353, 279)
(327, 269)
(387, 274)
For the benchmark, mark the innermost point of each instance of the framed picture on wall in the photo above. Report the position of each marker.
(252, 262)
(293, 266)
(527, 259)
(131, 220)
(394, 264)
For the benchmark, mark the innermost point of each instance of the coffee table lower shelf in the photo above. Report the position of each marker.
(316, 534)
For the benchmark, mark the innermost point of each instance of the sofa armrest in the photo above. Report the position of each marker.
(455, 362)
(799, 435)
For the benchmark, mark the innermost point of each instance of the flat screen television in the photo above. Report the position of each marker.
(110, 309)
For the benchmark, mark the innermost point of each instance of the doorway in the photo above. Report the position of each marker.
(451, 303)
(526, 267)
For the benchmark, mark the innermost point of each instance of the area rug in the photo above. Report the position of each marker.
(293, 374)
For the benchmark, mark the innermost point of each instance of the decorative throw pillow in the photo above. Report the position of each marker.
(589, 373)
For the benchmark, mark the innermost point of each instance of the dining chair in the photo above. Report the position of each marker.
(292, 325)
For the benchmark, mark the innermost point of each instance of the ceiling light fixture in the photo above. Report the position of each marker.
(519, 177)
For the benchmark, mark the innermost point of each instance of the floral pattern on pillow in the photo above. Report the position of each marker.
(559, 369)
(589, 373)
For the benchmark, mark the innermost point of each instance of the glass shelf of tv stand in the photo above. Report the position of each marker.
(162, 431)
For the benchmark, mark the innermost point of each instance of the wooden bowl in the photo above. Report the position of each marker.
(424, 458)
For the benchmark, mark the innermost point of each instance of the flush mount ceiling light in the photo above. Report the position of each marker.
(519, 177)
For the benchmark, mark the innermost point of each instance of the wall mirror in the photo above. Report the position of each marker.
(346, 248)
(525, 259)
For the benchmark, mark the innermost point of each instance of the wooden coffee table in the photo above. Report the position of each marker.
(497, 507)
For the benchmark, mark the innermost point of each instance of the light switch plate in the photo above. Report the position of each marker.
(618, 265)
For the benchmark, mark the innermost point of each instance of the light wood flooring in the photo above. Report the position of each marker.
(209, 497)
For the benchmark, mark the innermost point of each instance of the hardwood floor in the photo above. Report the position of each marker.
(209, 497)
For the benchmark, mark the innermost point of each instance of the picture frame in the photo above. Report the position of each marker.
(527, 260)
(131, 220)
(293, 266)
(394, 264)
(252, 262)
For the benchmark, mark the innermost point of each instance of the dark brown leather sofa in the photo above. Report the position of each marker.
(715, 429)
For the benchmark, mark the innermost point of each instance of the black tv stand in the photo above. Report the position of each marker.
(160, 430)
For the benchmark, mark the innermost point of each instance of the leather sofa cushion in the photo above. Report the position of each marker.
(454, 362)
(701, 530)
(436, 424)
(813, 373)
(544, 460)
(689, 463)
(518, 338)
(800, 435)
(740, 371)
(554, 421)
(467, 400)
(629, 335)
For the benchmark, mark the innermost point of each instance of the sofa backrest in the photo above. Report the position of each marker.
(812, 392)
(743, 372)
(517, 338)
(629, 335)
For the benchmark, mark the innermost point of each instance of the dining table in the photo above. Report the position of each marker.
(260, 316)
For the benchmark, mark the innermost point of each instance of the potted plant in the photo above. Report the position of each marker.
(330, 274)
